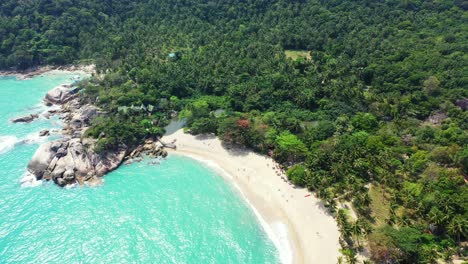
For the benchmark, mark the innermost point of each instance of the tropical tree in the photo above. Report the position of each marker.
(297, 174)
(356, 231)
(458, 227)
(289, 147)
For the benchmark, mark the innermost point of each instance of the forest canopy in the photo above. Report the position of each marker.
(364, 102)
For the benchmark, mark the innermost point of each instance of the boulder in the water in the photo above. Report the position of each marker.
(25, 119)
(42, 159)
(60, 182)
(44, 133)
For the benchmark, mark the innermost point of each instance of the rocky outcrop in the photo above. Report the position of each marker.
(61, 94)
(462, 103)
(437, 118)
(25, 119)
(150, 148)
(78, 118)
(44, 133)
(73, 159)
(69, 161)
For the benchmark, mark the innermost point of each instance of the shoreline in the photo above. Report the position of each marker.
(37, 71)
(296, 222)
(69, 159)
(282, 242)
(312, 234)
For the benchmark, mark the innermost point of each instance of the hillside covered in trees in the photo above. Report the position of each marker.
(363, 101)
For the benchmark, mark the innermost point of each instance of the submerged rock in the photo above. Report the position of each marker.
(25, 119)
(44, 133)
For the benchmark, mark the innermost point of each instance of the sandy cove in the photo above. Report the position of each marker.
(312, 234)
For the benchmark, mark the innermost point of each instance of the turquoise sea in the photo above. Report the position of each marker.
(178, 211)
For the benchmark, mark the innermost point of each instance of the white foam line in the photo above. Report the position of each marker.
(28, 180)
(7, 143)
(33, 138)
(280, 238)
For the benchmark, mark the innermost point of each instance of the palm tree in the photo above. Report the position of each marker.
(343, 224)
(365, 226)
(446, 205)
(458, 227)
(429, 254)
(341, 218)
(340, 260)
(366, 199)
(437, 217)
(356, 230)
(392, 219)
(331, 204)
(403, 220)
(350, 255)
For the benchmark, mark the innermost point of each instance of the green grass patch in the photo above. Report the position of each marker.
(298, 54)
(380, 206)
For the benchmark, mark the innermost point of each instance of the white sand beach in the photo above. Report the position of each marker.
(299, 226)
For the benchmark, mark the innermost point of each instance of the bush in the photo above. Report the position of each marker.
(364, 121)
(297, 175)
(289, 147)
(204, 125)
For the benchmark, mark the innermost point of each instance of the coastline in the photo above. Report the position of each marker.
(37, 71)
(70, 159)
(312, 234)
(299, 226)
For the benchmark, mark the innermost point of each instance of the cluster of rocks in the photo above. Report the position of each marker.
(26, 74)
(73, 159)
(60, 95)
(150, 148)
(78, 117)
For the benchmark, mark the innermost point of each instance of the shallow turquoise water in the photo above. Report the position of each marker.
(179, 211)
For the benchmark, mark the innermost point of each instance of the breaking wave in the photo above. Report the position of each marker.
(7, 143)
(29, 180)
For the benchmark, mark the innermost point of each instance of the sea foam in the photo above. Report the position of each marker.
(28, 180)
(34, 138)
(7, 143)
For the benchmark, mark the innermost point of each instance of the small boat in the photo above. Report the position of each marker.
(307, 195)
